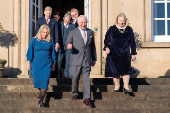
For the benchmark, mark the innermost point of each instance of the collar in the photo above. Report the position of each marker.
(65, 24)
(76, 20)
(82, 29)
(46, 18)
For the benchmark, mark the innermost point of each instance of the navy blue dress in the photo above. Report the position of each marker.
(42, 56)
(118, 62)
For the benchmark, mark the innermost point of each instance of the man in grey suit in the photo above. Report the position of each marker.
(83, 56)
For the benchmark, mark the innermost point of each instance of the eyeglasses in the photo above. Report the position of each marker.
(73, 15)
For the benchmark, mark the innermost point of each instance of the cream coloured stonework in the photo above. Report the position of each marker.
(152, 60)
(15, 21)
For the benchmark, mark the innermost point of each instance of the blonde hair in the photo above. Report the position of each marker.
(38, 35)
(122, 15)
(74, 10)
(48, 8)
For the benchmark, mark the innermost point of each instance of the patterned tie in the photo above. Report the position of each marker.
(73, 21)
(66, 26)
(84, 36)
(47, 22)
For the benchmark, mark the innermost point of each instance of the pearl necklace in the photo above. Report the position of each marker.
(120, 30)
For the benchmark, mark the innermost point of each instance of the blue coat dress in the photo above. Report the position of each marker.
(118, 62)
(42, 56)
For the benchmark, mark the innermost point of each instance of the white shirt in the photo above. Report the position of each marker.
(46, 19)
(67, 25)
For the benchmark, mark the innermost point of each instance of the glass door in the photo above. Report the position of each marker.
(36, 11)
(87, 11)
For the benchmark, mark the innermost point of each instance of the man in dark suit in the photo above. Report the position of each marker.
(64, 29)
(56, 15)
(52, 23)
(74, 15)
(83, 56)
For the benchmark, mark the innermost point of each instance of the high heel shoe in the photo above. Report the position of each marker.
(116, 90)
(39, 105)
(126, 91)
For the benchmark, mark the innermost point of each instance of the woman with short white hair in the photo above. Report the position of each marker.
(120, 48)
(41, 59)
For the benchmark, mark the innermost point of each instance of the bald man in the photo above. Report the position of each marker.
(83, 56)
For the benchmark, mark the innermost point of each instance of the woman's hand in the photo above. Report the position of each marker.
(107, 50)
(28, 67)
(53, 67)
(133, 57)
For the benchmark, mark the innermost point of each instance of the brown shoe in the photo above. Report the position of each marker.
(74, 97)
(87, 102)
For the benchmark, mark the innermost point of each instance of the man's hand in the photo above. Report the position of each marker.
(69, 46)
(107, 50)
(57, 46)
(53, 68)
(133, 57)
(93, 63)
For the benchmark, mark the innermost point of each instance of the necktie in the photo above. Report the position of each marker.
(73, 21)
(47, 22)
(66, 26)
(84, 36)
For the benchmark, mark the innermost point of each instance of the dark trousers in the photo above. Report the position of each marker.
(63, 55)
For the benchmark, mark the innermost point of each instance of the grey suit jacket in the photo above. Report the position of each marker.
(79, 48)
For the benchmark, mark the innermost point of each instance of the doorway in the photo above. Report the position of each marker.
(64, 6)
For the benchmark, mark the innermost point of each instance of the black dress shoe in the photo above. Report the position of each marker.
(39, 105)
(87, 102)
(74, 97)
(126, 91)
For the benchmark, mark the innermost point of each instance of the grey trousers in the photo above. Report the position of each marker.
(75, 72)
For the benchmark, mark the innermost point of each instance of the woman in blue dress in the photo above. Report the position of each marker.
(118, 41)
(41, 59)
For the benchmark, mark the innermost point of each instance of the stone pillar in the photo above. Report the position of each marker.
(96, 22)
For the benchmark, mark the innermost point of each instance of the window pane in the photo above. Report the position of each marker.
(168, 10)
(159, 10)
(36, 14)
(37, 2)
(33, 29)
(168, 27)
(159, 27)
(33, 12)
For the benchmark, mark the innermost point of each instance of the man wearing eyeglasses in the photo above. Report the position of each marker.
(74, 15)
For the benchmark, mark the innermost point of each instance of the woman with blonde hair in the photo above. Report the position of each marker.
(119, 39)
(41, 59)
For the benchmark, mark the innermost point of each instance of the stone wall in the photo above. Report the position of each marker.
(14, 39)
(152, 60)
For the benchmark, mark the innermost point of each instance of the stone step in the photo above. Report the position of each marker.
(94, 81)
(110, 104)
(94, 96)
(94, 88)
(82, 110)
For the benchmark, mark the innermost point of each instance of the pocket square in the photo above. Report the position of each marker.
(91, 36)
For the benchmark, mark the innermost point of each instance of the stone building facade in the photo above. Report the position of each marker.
(144, 17)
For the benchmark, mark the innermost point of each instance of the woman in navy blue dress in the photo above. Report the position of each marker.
(41, 59)
(120, 48)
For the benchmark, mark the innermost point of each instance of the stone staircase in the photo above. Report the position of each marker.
(150, 95)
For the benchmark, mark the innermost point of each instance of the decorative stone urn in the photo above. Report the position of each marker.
(2, 64)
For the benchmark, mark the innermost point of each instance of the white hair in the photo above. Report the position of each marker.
(67, 15)
(82, 16)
